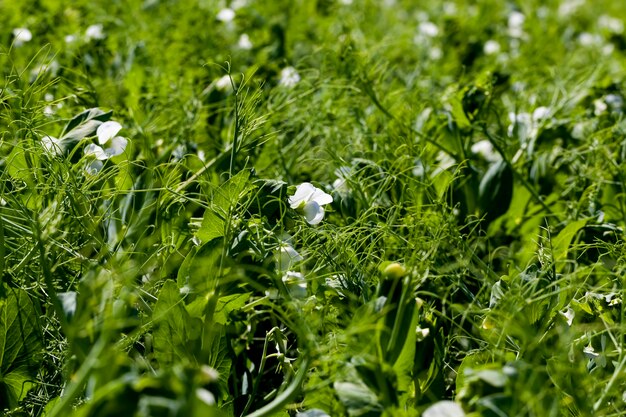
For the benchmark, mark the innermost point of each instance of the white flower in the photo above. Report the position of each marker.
(491, 47)
(52, 145)
(541, 113)
(569, 315)
(589, 39)
(340, 185)
(444, 409)
(516, 24)
(428, 29)
(569, 7)
(419, 169)
(22, 35)
(435, 53)
(70, 38)
(485, 149)
(223, 83)
(612, 24)
(449, 8)
(95, 32)
(289, 77)
(111, 145)
(295, 283)
(310, 200)
(205, 396)
(590, 352)
(226, 15)
(244, 42)
(614, 101)
(445, 161)
(238, 4)
(599, 107)
(287, 256)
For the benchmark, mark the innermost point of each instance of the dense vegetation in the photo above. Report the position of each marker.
(312, 208)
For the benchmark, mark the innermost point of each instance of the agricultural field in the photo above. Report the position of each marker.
(312, 208)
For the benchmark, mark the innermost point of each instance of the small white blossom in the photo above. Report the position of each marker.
(615, 102)
(569, 315)
(287, 257)
(590, 352)
(340, 185)
(569, 7)
(95, 32)
(445, 161)
(588, 39)
(226, 15)
(541, 113)
(449, 8)
(69, 38)
(444, 409)
(238, 4)
(419, 169)
(422, 333)
(310, 201)
(289, 77)
(485, 149)
(608, 49)
(612, 24)
(428, 29)
(295, 283)
(244, 42)
(52, 145)
(516, 24)
(22, 36)
(223, 83)
(205, 396)
(111, 145)
(599, 107)
(491, 47)
(435, 53)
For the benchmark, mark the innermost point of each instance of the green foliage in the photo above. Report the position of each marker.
(472, 256)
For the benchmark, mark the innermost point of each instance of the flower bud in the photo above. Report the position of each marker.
(394, 271)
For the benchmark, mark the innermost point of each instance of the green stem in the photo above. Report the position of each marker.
(287, 395)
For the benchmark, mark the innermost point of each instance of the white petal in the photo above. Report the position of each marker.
(444, 409)
(321, 198)
(52, 145)
(287, 256)
(116, 146)
(107, 131)
(295, 283)
(94, 167)
(303, 194)
(96, 151)
(313, 212)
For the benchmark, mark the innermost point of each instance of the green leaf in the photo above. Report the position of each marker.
(20, 345)
(212, 226)
(358, 400)
(19, 166)
(174, 329)
(406, 359)
(200, 269)
(218, 356)
(232, 191)
(84, 124)
(496, 190)
(227, 304)
(561, 243)
(225, 198)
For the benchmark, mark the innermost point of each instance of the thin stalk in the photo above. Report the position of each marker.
(233, 150)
